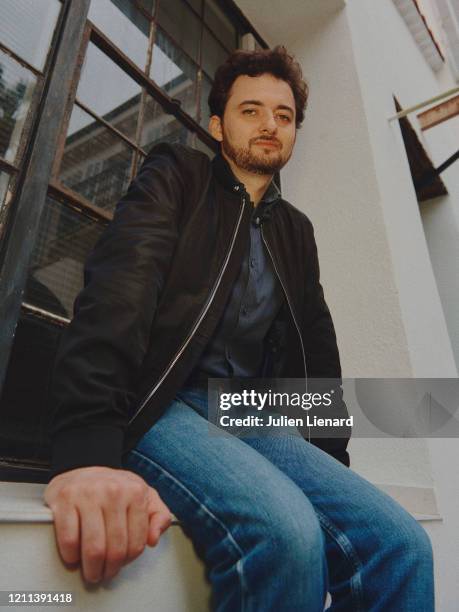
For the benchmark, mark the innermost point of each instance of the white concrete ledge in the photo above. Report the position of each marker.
(169, 577)
(23, 503)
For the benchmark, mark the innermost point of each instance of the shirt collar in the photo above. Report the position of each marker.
(271, 194)
(224, 174)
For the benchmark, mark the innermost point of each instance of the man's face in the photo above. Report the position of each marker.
(258, 128)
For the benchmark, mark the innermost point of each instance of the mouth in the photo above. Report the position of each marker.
(267, 143)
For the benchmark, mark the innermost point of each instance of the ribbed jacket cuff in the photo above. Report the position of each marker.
(84, 447)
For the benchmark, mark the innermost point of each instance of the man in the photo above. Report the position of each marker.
(206, 272)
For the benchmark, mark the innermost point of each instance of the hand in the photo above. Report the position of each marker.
(104, 518)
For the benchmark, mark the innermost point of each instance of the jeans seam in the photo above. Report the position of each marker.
(345, 545)
(239, 564)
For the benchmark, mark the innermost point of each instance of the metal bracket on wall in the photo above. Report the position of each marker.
(416, 107)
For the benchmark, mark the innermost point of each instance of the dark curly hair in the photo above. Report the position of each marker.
(277, 62)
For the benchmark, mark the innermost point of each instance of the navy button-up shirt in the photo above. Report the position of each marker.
(237, 345)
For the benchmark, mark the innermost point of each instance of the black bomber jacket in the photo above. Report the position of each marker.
(155, 287)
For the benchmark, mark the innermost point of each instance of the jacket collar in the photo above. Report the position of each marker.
(222, 171)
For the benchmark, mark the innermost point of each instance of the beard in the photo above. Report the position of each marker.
(256, 161)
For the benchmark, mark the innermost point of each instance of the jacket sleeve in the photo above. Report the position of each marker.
(102, 349)
(322, 355)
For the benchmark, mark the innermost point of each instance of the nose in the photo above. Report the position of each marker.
(268, 123)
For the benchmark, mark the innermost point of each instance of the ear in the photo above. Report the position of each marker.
(215, 128)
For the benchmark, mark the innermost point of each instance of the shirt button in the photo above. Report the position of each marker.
(252, 263)
(257, 220)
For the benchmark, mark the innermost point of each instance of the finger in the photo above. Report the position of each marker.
(67, 528)
(93, 542)
(138, 523)
(116, 537)
(160, 518)
(158, 524)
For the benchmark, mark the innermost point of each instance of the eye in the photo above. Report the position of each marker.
(285, 117)
(249, 110)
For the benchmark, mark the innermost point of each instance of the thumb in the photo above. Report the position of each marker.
(159, 517)
(157, 526)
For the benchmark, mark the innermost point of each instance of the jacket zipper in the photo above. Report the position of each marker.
(288, 299)
(198, 320)
(291, 311)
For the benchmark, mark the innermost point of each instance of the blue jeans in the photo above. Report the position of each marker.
(279, 522)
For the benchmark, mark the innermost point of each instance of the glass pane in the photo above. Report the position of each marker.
(213, 54)
(206, 86)
(161, 127)
(124, 25)
(181, 23)
(4, 181)
(174, 73)
(27, 27)
(16, 89)
(65, 238)
(220, 24)
(96, 162)
(109, 91)
(7, 185)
